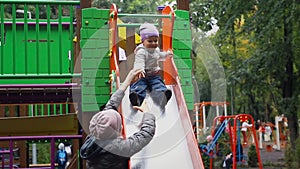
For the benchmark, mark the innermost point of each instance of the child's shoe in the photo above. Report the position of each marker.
(167, 96)
(134, 99)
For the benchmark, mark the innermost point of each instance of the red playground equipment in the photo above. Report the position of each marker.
(234, 135)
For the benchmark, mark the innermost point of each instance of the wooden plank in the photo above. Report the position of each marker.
(2, 111)
(183, 5)
(12, 111)
(130, 47)
(23, 153)
(23, 110)
(41, 125)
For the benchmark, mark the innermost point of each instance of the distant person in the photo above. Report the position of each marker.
(147, 56)
(104, 147)
(61, 156)
(227, 161)
(239, 156)
(206, 147)
(268, 133)
(245, 126)
(257, 127)
(263, 130)
(68, 148)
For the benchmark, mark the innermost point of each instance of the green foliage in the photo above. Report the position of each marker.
(131, 6)
(43, 153)
(259, 46)
(291, 156)
(205, 159)
(252, 155)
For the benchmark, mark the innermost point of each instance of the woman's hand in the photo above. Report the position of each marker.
(143, 108)
(132, 76)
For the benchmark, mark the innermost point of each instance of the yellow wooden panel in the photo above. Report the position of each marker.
(44, 125)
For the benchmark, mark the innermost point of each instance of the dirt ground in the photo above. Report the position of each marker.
(273, 159)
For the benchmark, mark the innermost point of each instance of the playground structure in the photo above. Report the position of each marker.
(51, 139)
(37, 58)
(36, 72)
(281, 125)
(224, 122)
(281, 133)
(47, 87)
(201, 115)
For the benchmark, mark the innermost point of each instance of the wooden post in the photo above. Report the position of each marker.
(23, 110)
(130, 46)
(2, 111)
(23, 153)
(83, 4)
(183, 5)
(12, 111)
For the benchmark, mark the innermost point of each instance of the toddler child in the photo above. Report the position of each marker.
(147, 56)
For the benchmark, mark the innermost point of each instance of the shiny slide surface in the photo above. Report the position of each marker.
(169, 147)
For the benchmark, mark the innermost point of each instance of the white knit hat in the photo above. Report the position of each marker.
(106, 124)
(61, 146)
(147, 30)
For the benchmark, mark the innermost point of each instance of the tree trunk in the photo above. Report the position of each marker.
(183, 5)
(287, 87)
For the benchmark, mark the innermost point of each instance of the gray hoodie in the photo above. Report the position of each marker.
(147, 59)
(115, 153)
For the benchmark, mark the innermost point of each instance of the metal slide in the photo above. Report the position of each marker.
(169, 147)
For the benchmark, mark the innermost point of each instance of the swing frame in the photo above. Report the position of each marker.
(234, 135)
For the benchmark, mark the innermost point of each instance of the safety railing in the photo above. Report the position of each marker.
(36, 41)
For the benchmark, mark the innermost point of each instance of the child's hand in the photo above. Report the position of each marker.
(142, 74)
(170, 53)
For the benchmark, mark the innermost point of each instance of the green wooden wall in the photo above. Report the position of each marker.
(95, 58)
(36, 50)
(182, 46)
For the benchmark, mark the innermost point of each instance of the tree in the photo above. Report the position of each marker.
(259, 46)
(132, 6)
(253, 159)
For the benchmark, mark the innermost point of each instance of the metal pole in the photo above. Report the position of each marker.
(144, 15)
(225, 109)
(34, 159)
(204, 119)
(277, 119)
(260, 140)
(197, 123)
